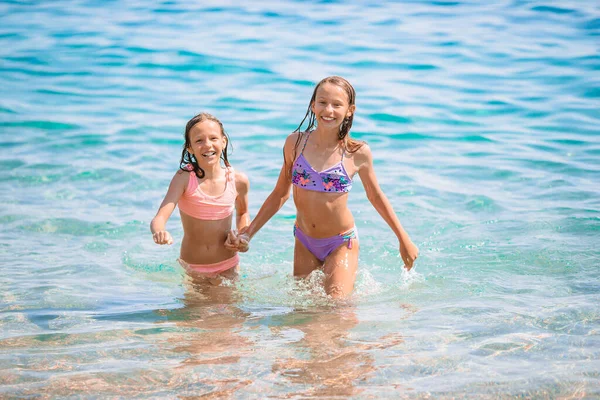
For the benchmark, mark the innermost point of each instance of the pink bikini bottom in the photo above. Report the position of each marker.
(211, 269)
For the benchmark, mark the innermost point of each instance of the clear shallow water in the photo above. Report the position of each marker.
(484, 122)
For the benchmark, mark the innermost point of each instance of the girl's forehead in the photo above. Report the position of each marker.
(331, 90)
(205, 127)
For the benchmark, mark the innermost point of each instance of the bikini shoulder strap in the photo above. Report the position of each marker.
(231, 179)
(192, 180)
(306, 141)
(230, 173)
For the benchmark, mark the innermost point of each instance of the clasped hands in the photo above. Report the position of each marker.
(237, 241)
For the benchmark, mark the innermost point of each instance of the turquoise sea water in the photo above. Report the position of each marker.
(484, 121)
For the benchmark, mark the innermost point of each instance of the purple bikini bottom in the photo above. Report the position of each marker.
(321, 248)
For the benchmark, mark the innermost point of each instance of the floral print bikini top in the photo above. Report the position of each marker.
(334, 179)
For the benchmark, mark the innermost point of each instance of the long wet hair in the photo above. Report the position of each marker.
(188, 158)
(349, 144)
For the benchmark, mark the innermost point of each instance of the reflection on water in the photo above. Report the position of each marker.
(214, 322)
(326, 363)
(220, 340)
(209, 336)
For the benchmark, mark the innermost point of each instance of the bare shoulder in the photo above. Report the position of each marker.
(292, 139)
(181, 177)
(291, 142)
(242, 183)
(363, 155)
(241, 178)
(179, 183)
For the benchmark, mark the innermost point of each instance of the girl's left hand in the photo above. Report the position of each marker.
(232, 242)
(409, 253)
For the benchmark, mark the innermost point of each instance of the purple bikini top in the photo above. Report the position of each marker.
(333, 179)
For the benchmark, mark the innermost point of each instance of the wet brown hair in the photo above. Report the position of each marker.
(350, 145)
(188, 158)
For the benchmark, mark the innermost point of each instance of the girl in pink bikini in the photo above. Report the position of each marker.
(206, 192)
(319, 164)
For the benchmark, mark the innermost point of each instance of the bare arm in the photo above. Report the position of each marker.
(380, 202)
(157, 226)
(242, 185)
(280, 193)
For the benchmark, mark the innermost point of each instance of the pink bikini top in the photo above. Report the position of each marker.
(196, 203)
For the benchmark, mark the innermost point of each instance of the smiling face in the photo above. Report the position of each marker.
(206, 142)
(331, 105)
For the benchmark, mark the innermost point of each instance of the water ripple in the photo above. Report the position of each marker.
(483, 121)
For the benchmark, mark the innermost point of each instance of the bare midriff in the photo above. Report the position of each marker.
(203, 242)
(322, 215)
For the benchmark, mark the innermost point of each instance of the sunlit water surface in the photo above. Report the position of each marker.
(483, 119)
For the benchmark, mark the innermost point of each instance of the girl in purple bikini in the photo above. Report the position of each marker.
(319, 163)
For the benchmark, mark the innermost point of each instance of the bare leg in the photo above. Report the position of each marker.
(340, 270)
(304, 261)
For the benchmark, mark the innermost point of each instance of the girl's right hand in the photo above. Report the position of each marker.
(232, 242)
(162, 237)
